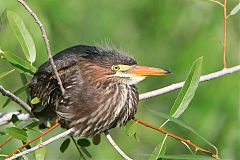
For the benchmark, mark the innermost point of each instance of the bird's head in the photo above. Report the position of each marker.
(108, 65)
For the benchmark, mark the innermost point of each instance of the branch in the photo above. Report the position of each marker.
(176, 137)
(34, 139)
(46, 41)
(6, 117)
(180, 84)
(142, 97)
(210, 76)
(15, 99)
(115, 146)
(55, 138)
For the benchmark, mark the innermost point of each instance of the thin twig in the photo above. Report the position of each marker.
(6, 141)
(15, 99)
(55, 138)
(225, 33)
(179, 85)
(217, 2)
(5, 118)
(175, 137)
(78, 148)
(34, 139)
(142, 96)
(115, 146)
(46, 41)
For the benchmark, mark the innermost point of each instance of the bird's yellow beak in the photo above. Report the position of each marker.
(146, 71)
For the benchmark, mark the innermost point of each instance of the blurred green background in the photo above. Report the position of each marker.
(169, 34)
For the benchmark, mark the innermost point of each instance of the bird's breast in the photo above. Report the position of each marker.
(114, 106)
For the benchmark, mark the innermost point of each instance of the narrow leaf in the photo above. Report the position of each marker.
(17, 92)
(20, 64)
(187, 92)
(96, 139)
(23, 36)
(15, 119)
(159, 150)
(17, 133)
(186, 157)
(83, 142)
(86, 152)
(235, 9)
(65, 145)
(41, 152)
(30, 123)
(184, 125)
(3, 74)
(35, 100)
(131, 128)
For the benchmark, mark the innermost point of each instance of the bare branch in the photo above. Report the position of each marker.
(176, 137)
(6, 117)
(46, 41)
(15, 99)
(55, 138)
(115, 146)
(35, 138)
(179, 85)
(142, 97)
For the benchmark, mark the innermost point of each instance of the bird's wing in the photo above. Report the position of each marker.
(45, 89)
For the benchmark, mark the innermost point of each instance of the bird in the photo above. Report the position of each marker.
(100, 92)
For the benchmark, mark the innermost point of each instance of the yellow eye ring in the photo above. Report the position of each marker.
(115, 67)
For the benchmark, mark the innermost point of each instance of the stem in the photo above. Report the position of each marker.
(46, 41)
(179, 85)
(34, 139)
(6, 141)
(15, 99)
(55, 138)
(175, 137)
(115, 146)
(79, 150)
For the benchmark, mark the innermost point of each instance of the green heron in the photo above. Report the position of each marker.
(100, 91)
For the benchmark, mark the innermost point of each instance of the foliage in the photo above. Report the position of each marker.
(154, 30)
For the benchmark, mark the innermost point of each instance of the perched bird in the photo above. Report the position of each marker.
(100, 91)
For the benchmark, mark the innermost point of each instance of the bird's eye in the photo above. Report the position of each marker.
(115, 67)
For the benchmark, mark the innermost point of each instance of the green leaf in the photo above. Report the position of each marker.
(65, 145)
(187, 92)
(35, 100)
(159, 150)
(235, 9)
(96, 139)
(23, 36)
(17, 133)
(20, 64)
(131, 128)
(30, 123)
(84, 142)
(3, 155)
(86, 152)
(17, 92)
(15, 119)
(186, 157)
(41, 152)
(3, 74)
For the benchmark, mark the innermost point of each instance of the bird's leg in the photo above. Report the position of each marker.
(175, 137)
(6, 141)
(34, 139)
